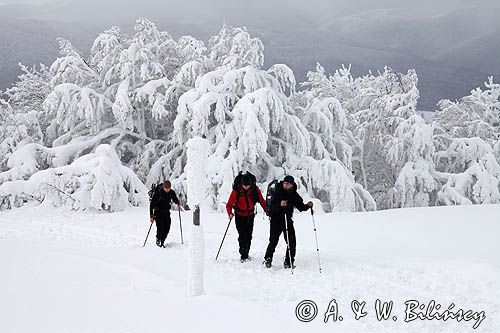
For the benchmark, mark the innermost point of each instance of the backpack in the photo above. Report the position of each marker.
(253, 185)
(271, 189)
(154, 189)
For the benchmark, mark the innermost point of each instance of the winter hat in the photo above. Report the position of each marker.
(289, 179)
(245, 180)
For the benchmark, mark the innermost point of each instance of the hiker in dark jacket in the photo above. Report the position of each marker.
(159, 211)
(243, 200)
(284, 200)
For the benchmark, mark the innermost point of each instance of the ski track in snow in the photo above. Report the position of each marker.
(112, 245)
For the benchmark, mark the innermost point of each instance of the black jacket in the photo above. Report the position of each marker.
(160, 203)
(294, 201)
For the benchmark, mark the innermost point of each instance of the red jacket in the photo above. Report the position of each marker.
(244, 202)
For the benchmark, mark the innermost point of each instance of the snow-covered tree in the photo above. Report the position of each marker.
(94, 181)
(354, 143)
(374, 106)
(251, 125)
(476, 115)
(69, 105)
(70, 66)
(105, 54)
(236, 110)
(17, 128)
(472, 173)
(467, 133)
(31, 89)
(410, 153)
(476, 185)
(327, 122)
(461, 154)
(411, 141)
(415, 186)
(340, 85)
(234, 48)
(395, 100)
(285, 77)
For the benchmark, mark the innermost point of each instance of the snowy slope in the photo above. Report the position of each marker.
(68, 271)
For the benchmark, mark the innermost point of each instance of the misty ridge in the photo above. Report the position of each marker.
(453, 45)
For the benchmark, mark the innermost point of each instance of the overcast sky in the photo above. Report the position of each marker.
(270, 15)
(221, 9)
(452, 48)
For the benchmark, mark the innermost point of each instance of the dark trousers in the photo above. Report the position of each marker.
(244, 225)
(162, 226)
(278, 227)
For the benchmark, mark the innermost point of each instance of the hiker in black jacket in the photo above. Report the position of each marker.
(284, 200)
(159, 210)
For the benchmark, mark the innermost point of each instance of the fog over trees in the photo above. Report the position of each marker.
(452, 44)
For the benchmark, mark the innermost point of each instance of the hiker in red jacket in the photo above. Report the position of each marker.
(243, 199)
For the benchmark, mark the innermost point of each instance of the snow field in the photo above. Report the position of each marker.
(87, 272)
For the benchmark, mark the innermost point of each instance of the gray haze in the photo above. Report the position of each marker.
(453, 44)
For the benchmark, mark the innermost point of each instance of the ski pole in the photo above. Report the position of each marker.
(220, 247)
(316, 235)
(288, 243)
(147, 234)
(180, 224)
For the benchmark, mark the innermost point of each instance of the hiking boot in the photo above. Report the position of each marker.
(287, 265)
(268, 262)
(158, 242)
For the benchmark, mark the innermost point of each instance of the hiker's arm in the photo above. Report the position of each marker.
(299, 203)
(262, 201)
(276, 207)
(230, 203)
(174, 198)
